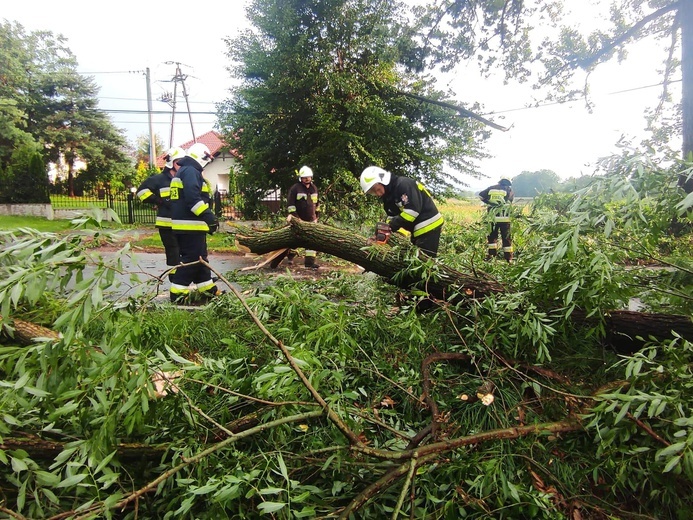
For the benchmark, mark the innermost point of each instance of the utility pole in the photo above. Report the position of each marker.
(171, 99)
(152, 143)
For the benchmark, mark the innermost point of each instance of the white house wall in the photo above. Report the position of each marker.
(217, 172)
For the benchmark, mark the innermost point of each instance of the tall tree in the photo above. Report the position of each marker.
(530, 184)
(500, 34)
(13, 90)
(321, 86)
(142, 148)
(55, 104)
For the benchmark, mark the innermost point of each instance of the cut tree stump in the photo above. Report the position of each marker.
(272, 256)
(397, 265)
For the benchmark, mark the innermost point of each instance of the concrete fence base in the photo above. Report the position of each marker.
(43, 210)
(28, 210)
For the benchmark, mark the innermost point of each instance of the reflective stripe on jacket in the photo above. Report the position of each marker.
(303, 200)
(498, 198)
(410, 206)
(155, 189)
(190, 199)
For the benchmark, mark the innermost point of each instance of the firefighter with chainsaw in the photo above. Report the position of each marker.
(192, 220)
(498, 199)
(156, 189)
(409, 206)
(302, 202)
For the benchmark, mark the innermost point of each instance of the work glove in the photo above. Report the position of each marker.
(211, 221)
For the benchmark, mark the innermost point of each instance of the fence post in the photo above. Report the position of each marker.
(131, 206)
(109, 196)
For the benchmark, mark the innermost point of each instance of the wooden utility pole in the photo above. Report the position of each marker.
(152, 143)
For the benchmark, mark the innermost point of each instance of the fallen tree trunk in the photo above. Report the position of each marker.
(394, 262)
(44, 449)
(26, 332)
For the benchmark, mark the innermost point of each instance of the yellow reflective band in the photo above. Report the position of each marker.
(165, 192)
(199, 208)
(428, 225)
(144, 194)
(423, 188)
(189, 225)
(163, 222)
(205, 285)
(409, 215)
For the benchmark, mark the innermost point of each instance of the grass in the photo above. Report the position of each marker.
(11, 222)
(220, 242)
(462, 211)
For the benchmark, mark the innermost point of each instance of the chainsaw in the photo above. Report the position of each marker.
(382, 232)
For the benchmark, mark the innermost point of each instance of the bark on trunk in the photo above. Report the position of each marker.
(623, 327)
(26, 332)
(383, 260)
(47, 450)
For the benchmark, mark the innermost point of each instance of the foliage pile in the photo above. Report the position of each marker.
(320, 399)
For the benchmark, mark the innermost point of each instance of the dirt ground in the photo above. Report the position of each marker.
(150, 261)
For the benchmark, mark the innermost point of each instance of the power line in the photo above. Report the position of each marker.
(542, 105)
(165, 112)
(141, 99)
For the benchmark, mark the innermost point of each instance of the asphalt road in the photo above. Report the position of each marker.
(140, 270)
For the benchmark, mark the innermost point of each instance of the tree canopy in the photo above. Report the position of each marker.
(541, 43)
(323, 85)
(530, 184)
(48, 102)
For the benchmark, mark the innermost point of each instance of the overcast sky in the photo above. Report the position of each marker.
(116, 43)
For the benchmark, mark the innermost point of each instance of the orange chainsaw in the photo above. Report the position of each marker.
(382, 232)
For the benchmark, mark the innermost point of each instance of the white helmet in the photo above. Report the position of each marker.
(305, 171)
(200, 153)
(374, 175)
(173, 154)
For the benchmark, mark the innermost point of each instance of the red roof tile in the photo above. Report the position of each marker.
(212, 139)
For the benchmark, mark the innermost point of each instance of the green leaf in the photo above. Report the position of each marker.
(270, 507)
(72, 480)
(673, 462)
(18, 465)
(670, 450)
(271, 491)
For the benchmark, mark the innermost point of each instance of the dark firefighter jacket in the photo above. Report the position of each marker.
(156, 190)
(190, 199)
(303, 201)
(410, 206)
(496, 197)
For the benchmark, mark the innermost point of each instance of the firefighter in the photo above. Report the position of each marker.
(192, 220)
(156, 190)
(409, 207)
(498, 198)
(302, 202)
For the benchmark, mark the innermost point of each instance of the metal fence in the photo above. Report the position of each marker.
(131, 210)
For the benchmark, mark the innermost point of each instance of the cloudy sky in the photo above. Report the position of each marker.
(118, 42)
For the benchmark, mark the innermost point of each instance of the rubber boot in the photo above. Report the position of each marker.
(310, 263)
(278, 260)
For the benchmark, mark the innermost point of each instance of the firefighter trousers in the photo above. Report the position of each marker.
(193, 246)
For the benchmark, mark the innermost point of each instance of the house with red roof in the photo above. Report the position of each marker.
(225, 161)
